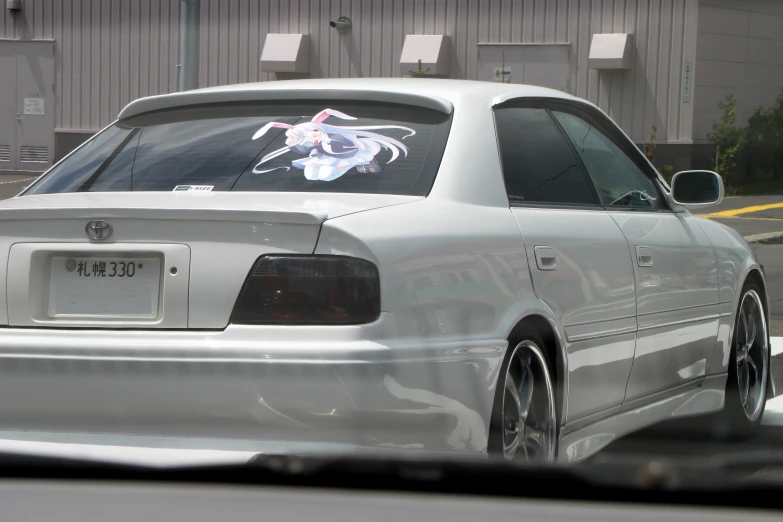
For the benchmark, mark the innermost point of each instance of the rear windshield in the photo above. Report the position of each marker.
(359, 147)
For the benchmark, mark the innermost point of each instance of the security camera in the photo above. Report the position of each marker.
(342, 24)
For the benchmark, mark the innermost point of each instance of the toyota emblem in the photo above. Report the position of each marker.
(98, 229)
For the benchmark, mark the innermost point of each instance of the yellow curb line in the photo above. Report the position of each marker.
(745, 210)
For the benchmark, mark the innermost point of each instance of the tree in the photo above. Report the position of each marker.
(727, 138)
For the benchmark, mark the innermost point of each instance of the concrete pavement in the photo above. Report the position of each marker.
(13, 184)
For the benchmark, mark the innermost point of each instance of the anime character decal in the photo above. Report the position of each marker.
(333, 150)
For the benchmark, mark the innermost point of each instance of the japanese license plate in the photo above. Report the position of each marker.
(104, 287)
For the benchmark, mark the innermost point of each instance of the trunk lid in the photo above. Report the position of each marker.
(173, 259)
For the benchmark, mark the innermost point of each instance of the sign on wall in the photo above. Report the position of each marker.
(502, 74)
(686, 88)
(34, 106)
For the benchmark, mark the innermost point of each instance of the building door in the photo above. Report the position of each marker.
(544, 65)
(26, 105)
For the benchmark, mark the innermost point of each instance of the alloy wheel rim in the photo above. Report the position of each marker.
(529, 418)
(751, 348)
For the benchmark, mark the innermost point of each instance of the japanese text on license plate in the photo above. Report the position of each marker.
(90, 268)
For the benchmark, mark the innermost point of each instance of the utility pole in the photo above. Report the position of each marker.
(189, 12)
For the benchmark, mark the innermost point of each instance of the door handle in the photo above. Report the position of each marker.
(546, 259)
(644, 256)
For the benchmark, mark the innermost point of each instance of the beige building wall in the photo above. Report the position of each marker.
(740, 52)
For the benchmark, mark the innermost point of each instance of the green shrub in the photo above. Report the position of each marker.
(744, 154)
(728, 139)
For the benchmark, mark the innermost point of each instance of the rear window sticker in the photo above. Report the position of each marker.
(333, 150)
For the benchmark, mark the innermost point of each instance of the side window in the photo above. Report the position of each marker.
(620, 182)
(539, 166)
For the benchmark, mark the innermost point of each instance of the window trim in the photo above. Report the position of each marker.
(613, 132)
(598, 120)
(539, 103)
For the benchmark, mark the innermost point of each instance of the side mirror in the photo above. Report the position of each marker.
(696, 188)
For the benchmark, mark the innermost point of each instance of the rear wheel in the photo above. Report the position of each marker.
(746, 388)
(524, 416)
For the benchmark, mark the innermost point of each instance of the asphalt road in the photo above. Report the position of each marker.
(13, 184)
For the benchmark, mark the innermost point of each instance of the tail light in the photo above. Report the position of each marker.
(309, 289)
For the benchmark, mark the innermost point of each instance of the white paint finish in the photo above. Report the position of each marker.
(672, 348)
(304, 90)
(468, 280)
(723, 21)
(591, 292)
(267, 207)
(602, 366)
(675, 241)
(430, 363)
(732, 255)
(245, 224)
(594, 279)
(676, 309)
(580, 443)
(338, 385)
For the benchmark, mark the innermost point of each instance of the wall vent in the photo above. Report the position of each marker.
(34, 154)
(5, 153)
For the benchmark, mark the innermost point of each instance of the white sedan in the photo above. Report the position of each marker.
(386, 264)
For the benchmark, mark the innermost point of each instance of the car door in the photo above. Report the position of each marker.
(674, 264)
(579, 260)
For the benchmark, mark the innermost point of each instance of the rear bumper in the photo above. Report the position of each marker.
(266, 384)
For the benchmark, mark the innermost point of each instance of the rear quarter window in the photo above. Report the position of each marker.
(318, 146)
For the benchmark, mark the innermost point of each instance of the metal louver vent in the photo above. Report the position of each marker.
(33, 154)
(5, 153)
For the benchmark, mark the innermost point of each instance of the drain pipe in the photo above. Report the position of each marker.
(189, 13)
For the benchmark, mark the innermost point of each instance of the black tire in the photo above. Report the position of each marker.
(734, 423)
(495, 440)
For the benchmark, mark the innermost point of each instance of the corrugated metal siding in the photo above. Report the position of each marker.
(112, 51)
(109, 52)
(233, 33)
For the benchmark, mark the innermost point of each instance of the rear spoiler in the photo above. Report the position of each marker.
(252, 92)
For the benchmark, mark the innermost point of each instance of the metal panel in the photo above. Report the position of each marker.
(108, 52)
(34, 104)
(111, 51)
(7, 105)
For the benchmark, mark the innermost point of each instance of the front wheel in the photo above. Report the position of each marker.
(524, 417)
(746, 388)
